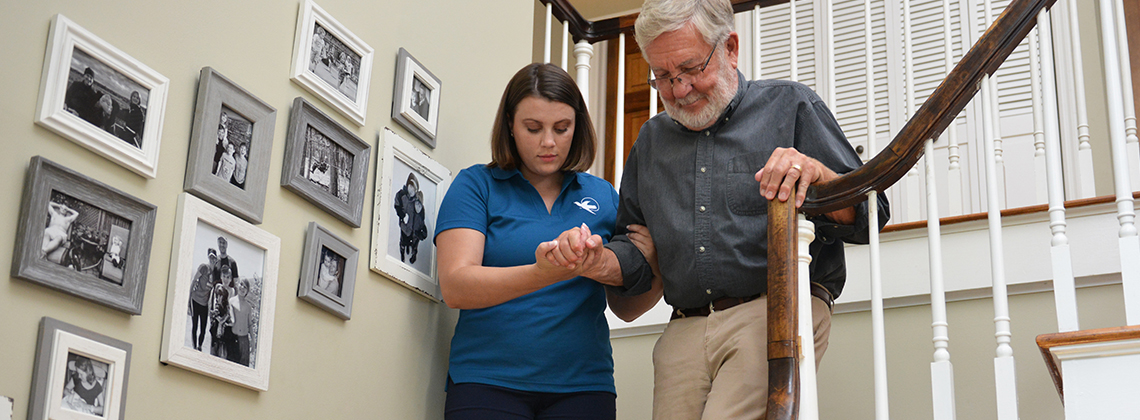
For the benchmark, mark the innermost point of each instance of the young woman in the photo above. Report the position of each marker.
(532, 339)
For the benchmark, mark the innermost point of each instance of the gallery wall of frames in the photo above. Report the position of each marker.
(206, 202)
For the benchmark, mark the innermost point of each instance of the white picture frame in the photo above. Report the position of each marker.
(62, 351)
(319, 66)
(412, 107)
(400, 161)
(198, 222)
(117, 77)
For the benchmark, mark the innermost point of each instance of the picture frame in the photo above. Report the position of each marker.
(117, 112)
(226, 115)
(328, 271)
(415, 99)
(407, 259)
(331, 62)
(325, 163)
(79, 374)
(97, 242)
(200, 334)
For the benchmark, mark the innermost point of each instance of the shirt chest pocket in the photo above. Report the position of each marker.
(741, 189)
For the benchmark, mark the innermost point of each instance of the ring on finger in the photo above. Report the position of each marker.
(798, 168)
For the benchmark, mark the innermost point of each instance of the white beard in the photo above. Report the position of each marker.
(717, 100)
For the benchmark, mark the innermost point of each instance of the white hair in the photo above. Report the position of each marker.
(713, 19)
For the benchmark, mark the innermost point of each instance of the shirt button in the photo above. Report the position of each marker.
(701, 249)
(702, 209)
(706, 133)
(708, 291)
(702, 169)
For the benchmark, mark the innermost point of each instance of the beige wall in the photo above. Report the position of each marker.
(390, 360)
(846, 389)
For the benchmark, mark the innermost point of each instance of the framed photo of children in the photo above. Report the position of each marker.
(325, 163)
(230, 144)
(79, 374)
(409, 187)
(83, 237)
(221, 296)
(98, 96)
(331, 62)
(328, 271)
(415, 103)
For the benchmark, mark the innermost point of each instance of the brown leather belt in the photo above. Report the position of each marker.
(721, 304)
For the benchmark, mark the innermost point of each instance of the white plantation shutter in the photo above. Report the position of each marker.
(775, 42)
(850, 108)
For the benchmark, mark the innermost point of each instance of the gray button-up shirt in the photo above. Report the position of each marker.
(696, 192)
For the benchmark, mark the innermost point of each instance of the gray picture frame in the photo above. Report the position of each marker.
(215, 91)
(411, 77)
(30, 263)
(59, 341)
(303, 117)
(317, 240)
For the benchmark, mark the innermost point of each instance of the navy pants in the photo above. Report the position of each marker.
(472, 401)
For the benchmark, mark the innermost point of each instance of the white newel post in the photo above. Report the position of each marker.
(583, 51)
(809, 398)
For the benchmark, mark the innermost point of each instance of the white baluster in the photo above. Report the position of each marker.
(809, 398)
(652, 99)
(756, 62)
(583, 51)
(1003, 361)
(878, 328)
(793, 52)
(619, 119)
(547, 41)
(1133, 143)
(565, 46)
(829, 36)
(941, 370)
(913, 198)
(1125, 209)
(869, 62)
(999, 151)
(1038, 120)
(954, 174)
(1084, 149)
(1064, 287)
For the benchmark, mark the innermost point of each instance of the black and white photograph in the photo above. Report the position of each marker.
(230, 144)
(225, 296)
(79, 374)
(101, 98)
(409, 188)
(331, 62)
(325, 163)
(336, 64)
(415, 98)
(83, 237)
(328, 271)
(414, 196)
(231, 152)
(84, 384)
(106, 98)
(221, 296)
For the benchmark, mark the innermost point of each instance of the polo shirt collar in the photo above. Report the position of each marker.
(568, 176)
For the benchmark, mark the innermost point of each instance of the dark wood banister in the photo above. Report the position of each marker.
(882, 171)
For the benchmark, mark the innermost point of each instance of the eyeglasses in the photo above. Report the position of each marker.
(687, 76)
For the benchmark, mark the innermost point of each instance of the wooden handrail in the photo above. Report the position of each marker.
(934, 116)
(603, 29)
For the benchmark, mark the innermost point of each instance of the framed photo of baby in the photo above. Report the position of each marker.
(328, 271)
(83, 237)
(221, 296)
(230, 144)
(98, 96)
(409, 187)
(325, 163)
(79, 374)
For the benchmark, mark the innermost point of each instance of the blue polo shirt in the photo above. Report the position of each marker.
(555, 339)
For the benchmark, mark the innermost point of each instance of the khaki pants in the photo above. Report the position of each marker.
(716, 367)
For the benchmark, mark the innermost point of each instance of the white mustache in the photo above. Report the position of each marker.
(688, 100)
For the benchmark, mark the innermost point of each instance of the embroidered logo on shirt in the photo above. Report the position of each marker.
(588, 204)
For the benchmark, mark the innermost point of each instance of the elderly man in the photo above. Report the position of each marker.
(699, 177)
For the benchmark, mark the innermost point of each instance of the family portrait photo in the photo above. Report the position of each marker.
(85, 238)
(225, 296)
(326, 164)
(421, 98)
(85, 382)
(334, 63)
(106, 98)
(409, 232)
(231, 152)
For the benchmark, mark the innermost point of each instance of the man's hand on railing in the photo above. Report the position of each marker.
(788, 168)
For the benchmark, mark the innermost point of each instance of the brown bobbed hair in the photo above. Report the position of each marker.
(549, 82)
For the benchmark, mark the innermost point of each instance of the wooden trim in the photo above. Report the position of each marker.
(601, 30)
(1046, 343)
(1017, 211)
